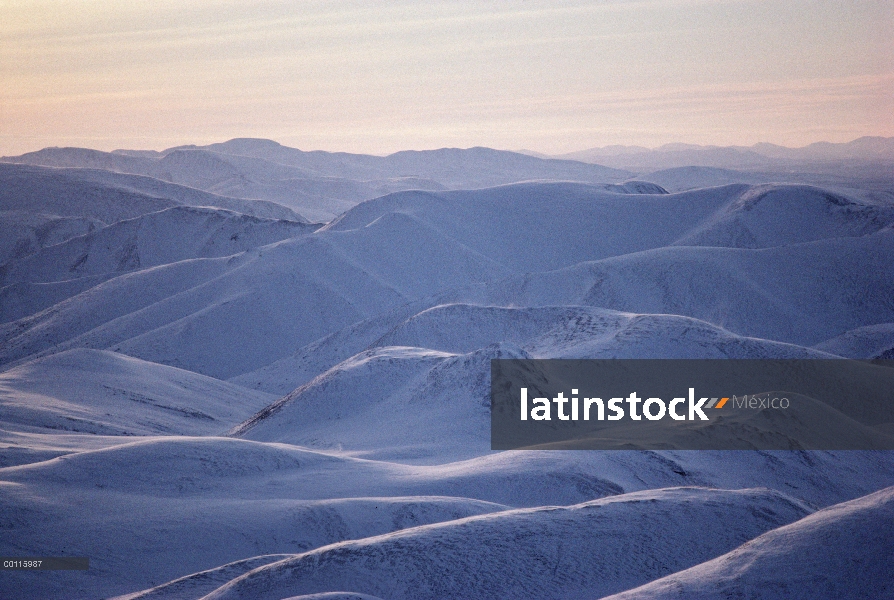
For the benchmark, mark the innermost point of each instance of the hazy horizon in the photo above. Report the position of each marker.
(517, 150)
(350, 76)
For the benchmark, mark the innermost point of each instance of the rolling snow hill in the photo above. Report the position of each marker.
(52, 192)
(100, 392)
(109, 197)
(167, 236)
(841, 552)
(550, 552)
(610, 250)
(801, 294)
(871, 341)
(23, 232)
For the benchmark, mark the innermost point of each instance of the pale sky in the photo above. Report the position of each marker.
(380, 76)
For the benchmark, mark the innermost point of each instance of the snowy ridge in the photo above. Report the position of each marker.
(547, 552)
(210, 483)
(415, 386)
(841, 552)
(49, 191)
(24, 232)
(182, 194)
(197, 584)
(180, 484)
(20, 300)
(540, 331)
(784, 293)
(410, 388)
(406, 388)
(871, 341)
(168, 236)
(773, 215)
(580, 332)
(94, 391)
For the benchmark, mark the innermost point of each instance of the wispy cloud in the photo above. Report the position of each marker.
(410, 74)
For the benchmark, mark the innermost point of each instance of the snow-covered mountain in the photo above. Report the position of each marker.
(321, 185)
(109, 196)
(211, 397)
(100, 392)
(40, 280)
(524, 245)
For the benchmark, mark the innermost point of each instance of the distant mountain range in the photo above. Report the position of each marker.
(317, 186)
(758, 156)
(320, 185)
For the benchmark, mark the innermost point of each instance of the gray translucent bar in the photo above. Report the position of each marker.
(748, 404)
(44, 563)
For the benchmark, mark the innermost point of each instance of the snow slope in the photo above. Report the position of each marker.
(249, 499)
(773, 215)
(842, 552)
(679, 179)
(24, 232)
(52, 192)
(159, 494)
(802, 293)
(109, 196)
(871, 341)
(418, 385)
(100, 392)
(540, 331)
(168, 236)
(535, 227)
(405, 389)
(550, 552)
(579, 332)
(187, 196)
(19, 300)
(352, 272)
